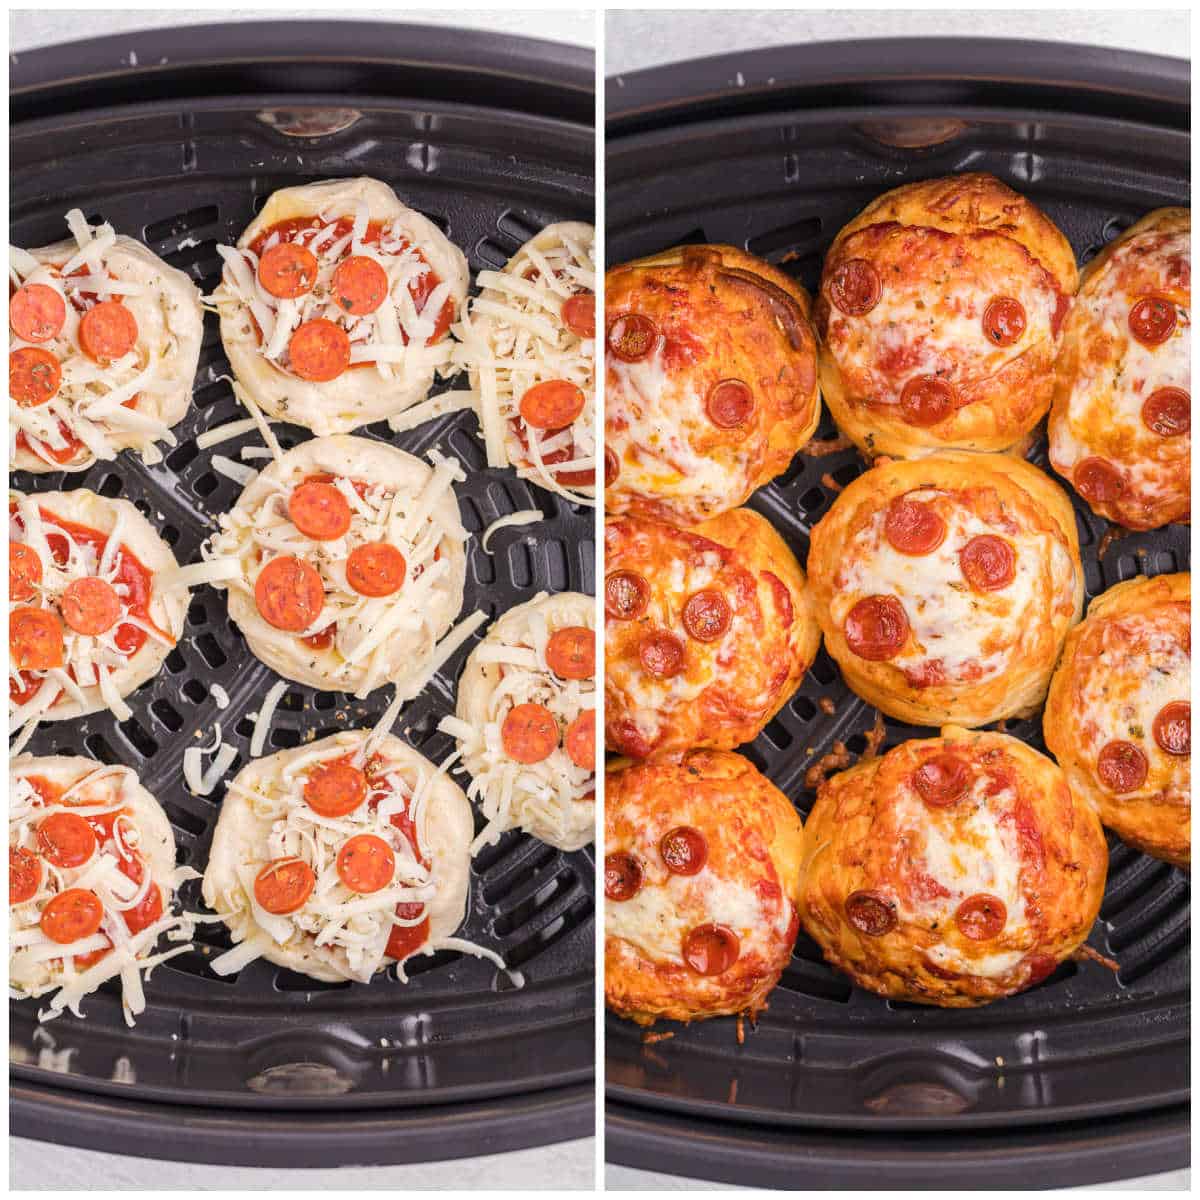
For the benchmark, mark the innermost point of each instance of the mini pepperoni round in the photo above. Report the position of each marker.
(365, 864)
(529, 733)
(730, 404)
(1004, 321)
(706, 615)
(926, 400)
(711, 949)
(90, 606)
(554, 404)
(632, 337)
(855, 287)
(626, 595)
(71, 916)
(24, 572)
(319, 351)
(1039, 967)
(34, 376)
(360, 285)
(288, 270)
(942, 781)
(870, 913)
(36, 312)
(35, 639)
(612, 467)
(661, 654)
(981, 917)
(622, 876)
(684, 850)
(571, 652)
(376, 569)
(289, 593)
(912, 527)
(988, 563)
(283, 885)
(876, 628)
(1168, 412)
(1152, 320)
(1098, 481)
(1122, 767)
(24, 875)
(108, 331)
(335, 789)
(1173, 728)
(319, 511)
(579, 314)
(66, 840)
(580, 740)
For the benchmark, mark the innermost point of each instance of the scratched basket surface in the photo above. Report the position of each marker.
(828, 1053)
(185, 179)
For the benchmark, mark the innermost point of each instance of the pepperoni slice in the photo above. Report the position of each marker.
(632, 337)
(1173, 728)
(1098, 481)
(580, 740)
(366, 863)
(24, 572)
(71, 916)
(1122, 767)
(90, 606)
(283, 885)
(335, 790)
(876, 628)
(34, 376)
(988, 563)
(1152, 320)
(143, 914)
(108, 331)
(289, 593)
(375, 569)
(626, 595)
(1168, 412)
(66, 840)
(553, 404)
(579, 314)
(661, 654)
(35, 639)
(912, 527)
(942, 781)
(407, 939)
(36, 313)
(622, 876)
(870, 913)
(24, 875)
(855, 287)
(981, 917)
(707, 615)
(288, 270)
(571, 652)
(730, 403)
(319, 351)
(684, 850)
(711, 949)
(360, 285)
(1039, 966)
(612, 466)
(529, 733)
(1004, 321)
(926, 400)
(319, 511)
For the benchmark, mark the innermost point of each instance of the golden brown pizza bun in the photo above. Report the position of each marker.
(945, 586)
(940, 314)
(707, 632)
(711, 381)
(1119, 714)
(702, 855)
(1120, 425)
(951, 871)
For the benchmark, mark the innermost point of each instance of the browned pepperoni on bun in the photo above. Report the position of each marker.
(661, 654)
(926, 400)
(684, 850)
(612, 466)
(1004, 321)
(1122, 767)
(981, 917)
(870, 913)
(1168, 412)
(912, 527)
(622, 876)
(360, 285)
(876, 628)
(36, 312)
(288, 270)
(988, 563)
(108, 331)
(711, 949)
(706, 615)
(626, 595)
(1173, 728)
(729, 404)
(942, 780)
(632, 337)
(579, 314)
(1039, 967)
(319, 351)
(34, 376)
(855, 287)
(1152, 320)
(1098, 481)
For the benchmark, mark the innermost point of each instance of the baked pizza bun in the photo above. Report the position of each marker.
(940, 314)
(711, 381)
(526, 722)
(345, 561)
(339, 858)
(951, 871)
(707, 632)
(103, 342)
(528, 341)
(1121, 425)
(702, 859)
(91, 882)
(336, 304)
(1119, 714)
(945, 586)
(95, 604)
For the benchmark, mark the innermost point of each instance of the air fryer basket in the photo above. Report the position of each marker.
(1086, 1076)
(461, 1060)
